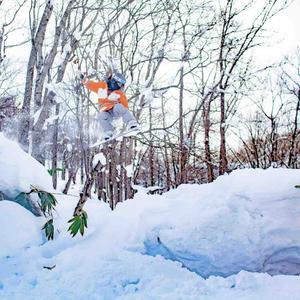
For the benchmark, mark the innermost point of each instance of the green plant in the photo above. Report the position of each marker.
(49, 229)
(46, 204)
(52, 171)
(78, 223)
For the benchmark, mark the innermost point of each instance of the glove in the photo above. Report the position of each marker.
(114, 97)
(81, 76)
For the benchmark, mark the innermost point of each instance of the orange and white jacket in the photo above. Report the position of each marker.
(106, 100)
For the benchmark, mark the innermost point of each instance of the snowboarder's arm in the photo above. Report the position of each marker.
(93, 85)
(123, 100)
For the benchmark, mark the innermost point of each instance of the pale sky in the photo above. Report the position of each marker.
(283, 32)
(286, 35)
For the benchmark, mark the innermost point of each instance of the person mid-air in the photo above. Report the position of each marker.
(112, 103)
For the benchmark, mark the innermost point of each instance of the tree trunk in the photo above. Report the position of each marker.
(208, 158)
(292, 154)
(55, 149)
(182, 146)
(151, 150)
(86, 190)
(166, 160)
(68, 184)
(223, 168)
(37, 44)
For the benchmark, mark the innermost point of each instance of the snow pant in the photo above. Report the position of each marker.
(118, 111)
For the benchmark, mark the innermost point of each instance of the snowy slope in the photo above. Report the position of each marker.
(19, 170)
(23, 230)
(196, 242)
(249, 220)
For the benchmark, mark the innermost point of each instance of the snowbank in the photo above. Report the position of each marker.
(18, 171)
(163, 247)
(19, 229)
(249, 220)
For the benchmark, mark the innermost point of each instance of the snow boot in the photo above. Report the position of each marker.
(132, 126)
(107, 135)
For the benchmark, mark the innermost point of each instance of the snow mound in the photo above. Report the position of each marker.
(19, 229)
(19, 171)
(249, 220)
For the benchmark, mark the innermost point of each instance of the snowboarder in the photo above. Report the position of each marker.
(112, 103)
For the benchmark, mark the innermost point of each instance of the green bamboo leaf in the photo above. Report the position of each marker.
(75, 226)
(49, 229)
(52, 171)
(78, 224)
(85, 222)
(71, 220)
(48, 201)
(82, 228)
(43, 201)
(52, 200)
(84, 218)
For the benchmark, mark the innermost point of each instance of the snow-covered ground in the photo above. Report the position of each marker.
(215, 241)
(19, 171)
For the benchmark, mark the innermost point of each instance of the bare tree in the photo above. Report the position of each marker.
(291, 85)
(236, 39)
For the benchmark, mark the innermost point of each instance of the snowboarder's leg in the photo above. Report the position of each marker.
(120, 111)
(105, 120)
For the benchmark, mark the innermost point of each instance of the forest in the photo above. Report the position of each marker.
(205, 105)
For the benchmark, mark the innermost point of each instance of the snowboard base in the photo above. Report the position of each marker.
(127, 133)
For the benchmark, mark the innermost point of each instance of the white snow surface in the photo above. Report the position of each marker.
(99, 157)
(23, 231)
(214, 241)
(18, 170)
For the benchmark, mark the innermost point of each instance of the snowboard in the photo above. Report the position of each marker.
(123, 133)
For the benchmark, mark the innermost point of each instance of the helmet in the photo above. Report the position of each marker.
(116, 81)
(118, 77)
